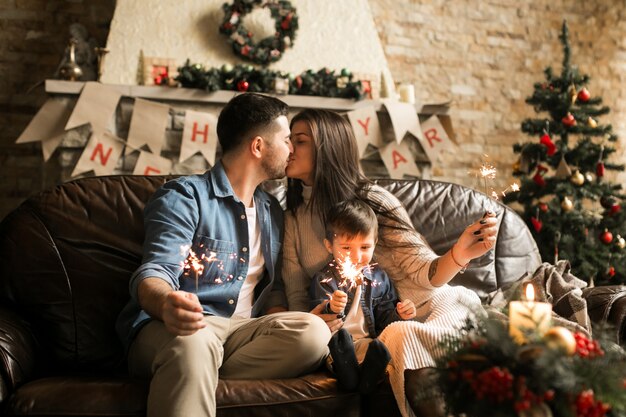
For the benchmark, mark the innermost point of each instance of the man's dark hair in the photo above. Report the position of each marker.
(352, 217)
(245, 116)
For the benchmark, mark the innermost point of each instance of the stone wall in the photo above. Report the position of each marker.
(483, 59)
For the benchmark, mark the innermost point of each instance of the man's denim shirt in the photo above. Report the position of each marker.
(378, 296)
(201, 212)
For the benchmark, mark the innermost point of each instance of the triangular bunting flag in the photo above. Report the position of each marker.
(434, 138)
(366, 128)
(399, 161)
(147, 126)
(95, 105)
(151, 164)
(100, 154)
(199, 135)
(403, 119)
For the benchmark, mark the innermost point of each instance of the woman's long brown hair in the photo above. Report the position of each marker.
(337, 176)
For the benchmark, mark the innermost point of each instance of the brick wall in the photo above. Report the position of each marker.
(485, 60)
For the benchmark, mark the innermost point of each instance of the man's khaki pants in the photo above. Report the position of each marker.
(185, 369)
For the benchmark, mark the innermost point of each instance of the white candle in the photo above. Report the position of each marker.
(407, 93)
(528, 316)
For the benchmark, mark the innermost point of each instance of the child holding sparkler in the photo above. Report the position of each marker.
(359, 291)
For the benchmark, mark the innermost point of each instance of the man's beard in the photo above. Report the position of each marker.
(274, 169)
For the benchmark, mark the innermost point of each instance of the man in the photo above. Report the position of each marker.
(211, 268)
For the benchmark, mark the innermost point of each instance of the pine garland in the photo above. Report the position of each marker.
(323, 83)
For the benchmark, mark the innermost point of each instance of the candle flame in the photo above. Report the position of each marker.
(530, 292)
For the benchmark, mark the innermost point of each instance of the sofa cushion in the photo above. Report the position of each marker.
(313, 394)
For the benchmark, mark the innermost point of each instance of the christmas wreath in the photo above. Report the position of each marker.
(270, 49)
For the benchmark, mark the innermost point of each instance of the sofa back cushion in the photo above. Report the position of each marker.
(66, 256)
(440, 211)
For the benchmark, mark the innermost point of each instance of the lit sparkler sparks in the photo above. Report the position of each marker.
(351, 275)
(488, 172)
(194, 264)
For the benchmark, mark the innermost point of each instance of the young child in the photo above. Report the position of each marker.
(359, 291)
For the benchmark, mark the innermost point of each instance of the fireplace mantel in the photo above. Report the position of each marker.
(174, 94)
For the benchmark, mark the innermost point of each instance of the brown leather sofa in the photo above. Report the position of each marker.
(66, 256)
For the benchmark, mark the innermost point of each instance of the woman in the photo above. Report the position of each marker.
(323, 170)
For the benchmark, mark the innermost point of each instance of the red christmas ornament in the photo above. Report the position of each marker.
(569, 120)
(243, 86)
(611, 271)
(537, 224)
(245, 50)
(606, 237)
(543, 207)
(600, 169)
(583, 95)
(547, 142)
(615, 208)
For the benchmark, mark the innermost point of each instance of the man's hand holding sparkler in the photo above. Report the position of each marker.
(182, 313)
(406, 309)
(338, 301)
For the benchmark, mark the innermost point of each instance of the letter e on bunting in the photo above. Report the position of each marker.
(399, 161)
(100, 155)
(434, 139)
(199, 135)
(366, 128)
(151, 164)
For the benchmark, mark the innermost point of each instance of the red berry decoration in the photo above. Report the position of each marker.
(243, 86)
(583, 95)
(606, 237)
(543, 207)
(547, 142)
(569, 120)
(611, 272)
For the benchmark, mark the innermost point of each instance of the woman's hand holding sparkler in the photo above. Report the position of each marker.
(181, 313)
(406, 309)
(476, 240)
(338, 301)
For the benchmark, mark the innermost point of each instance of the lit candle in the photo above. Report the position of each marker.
(407, 93)
(530, 316)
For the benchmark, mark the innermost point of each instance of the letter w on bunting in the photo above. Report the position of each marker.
(199, 135)
(366, 128)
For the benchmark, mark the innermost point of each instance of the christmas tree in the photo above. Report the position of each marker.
(573, 212)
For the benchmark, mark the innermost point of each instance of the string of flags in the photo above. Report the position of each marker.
(97, 103)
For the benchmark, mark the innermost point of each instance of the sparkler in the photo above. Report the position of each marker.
(194, 264)
(488, 172)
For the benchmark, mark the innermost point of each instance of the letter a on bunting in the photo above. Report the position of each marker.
(399, 161)
(199, 135)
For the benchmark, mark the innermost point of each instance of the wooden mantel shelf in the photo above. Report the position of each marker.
(223, 96)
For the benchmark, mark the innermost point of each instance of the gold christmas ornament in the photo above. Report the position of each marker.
(572, 93)
(620, 242)
(577, 178)
(567, 204)
(591, 122)
(560, 338)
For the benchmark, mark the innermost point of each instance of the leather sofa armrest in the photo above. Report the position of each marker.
(607, 305)
(17, 352)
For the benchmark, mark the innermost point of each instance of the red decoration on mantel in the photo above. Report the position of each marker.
(160, 74)
(243, 86)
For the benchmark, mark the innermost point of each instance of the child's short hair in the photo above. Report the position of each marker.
(352, 218)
